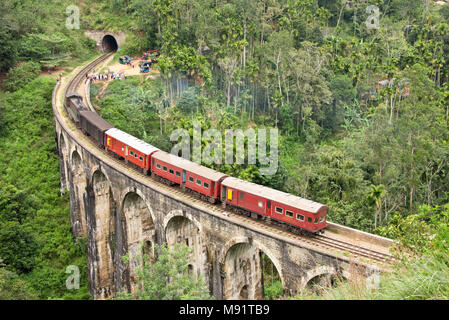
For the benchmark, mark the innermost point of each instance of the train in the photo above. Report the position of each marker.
(245, 197)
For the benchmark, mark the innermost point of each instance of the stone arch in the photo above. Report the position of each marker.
(109, 43)
(104, 207)
(74, 150)
(181, 227)
(139, 229)
(182, 213)
(240, 259)
(259, 245)
(78, 189)
(322, 271)
(244, 293)
(128, 190)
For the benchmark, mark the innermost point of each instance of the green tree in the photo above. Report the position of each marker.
(9, 47)
(376, 193)
(167, 277)
(14, 204)
(17, 246)
(20, 75)
(12, 287)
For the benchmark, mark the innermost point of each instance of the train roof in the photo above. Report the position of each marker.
(74, 95)
(189, 165)
(131, 141)
(273, 195)
(96, 120)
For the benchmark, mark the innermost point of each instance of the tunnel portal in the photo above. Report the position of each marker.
(109, 43)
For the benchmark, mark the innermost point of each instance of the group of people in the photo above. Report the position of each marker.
(105, 77)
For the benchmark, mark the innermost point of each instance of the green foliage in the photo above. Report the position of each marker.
(134, 45)
(17, 246)
(36, 240)
(167, 277)
(343, 95)
(444, 11)
(28, 34)
(22, 74)
(8, 49)
(15, 205)
(426, 232)
(12, 287)
(274, 290)
(188, 102)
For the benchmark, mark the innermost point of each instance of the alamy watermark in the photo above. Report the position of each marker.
(372, 22)
(213, 151)
(373, 281)
(73, 20)
(73, 281)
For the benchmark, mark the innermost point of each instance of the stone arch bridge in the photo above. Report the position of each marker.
(118, 210)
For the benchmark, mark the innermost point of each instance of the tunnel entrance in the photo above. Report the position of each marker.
(109, 43)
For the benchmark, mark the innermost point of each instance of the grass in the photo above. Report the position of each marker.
(426, 278)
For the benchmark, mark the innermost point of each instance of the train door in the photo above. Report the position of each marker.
(309, 223)
(223, 193)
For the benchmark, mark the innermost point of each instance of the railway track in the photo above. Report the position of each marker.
(76, 80)
(323, 242)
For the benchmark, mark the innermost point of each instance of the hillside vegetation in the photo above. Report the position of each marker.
(362, 111)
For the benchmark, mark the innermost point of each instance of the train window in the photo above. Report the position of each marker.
(322, 219)
(198, 181)
(158, 165)
(241, 195)
(269, 204)
(178, 173)
(260, 204)
(206, 185)
(153, 162)
(171, 171)
(131, 153)
(164, 168)
(279, 210)
(309, 220)
(191, 179)
(123, 148)
(315, 221)
(289, 213)
(300, 217)
(140, 158)
(135, 155)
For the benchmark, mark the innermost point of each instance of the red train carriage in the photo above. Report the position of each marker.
(130, 148)
(279, 205)
(188, 174)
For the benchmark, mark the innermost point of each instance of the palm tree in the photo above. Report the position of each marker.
(142, 97)
(375, 195)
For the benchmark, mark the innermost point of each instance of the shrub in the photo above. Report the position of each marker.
(20, 75)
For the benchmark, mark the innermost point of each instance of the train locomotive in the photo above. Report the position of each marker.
(233, 193)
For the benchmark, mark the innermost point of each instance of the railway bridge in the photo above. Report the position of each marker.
(119, 209)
